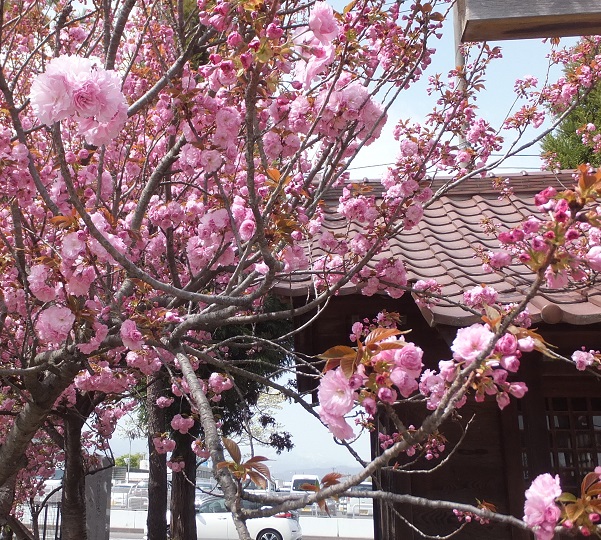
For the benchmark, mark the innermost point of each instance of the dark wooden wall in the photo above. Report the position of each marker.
(496, 460)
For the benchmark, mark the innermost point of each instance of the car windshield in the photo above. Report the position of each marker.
(361, 487)
(298, 483)
(217, 505)
(214, 506)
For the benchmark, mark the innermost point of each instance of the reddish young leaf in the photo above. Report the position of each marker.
(233, 449)
(331, 479)
(258, 479)
(380, 334)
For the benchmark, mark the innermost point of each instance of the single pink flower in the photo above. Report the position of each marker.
(470, 342)
(335, 394)
(541, 513)
(131, 336)
(247, 229)
(403, 381)
(337, 425)
(54, 324)
(323, 23)
(593, 258)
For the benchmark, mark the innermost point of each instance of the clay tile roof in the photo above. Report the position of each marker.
(443, 247)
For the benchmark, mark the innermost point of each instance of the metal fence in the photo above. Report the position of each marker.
(48, 521)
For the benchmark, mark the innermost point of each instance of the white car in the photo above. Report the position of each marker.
(360, 506)
(214, 522)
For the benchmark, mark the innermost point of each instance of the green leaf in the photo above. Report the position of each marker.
(567, 498)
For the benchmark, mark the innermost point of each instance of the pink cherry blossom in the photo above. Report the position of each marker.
(541, 513)
(131, 336)
(337, 425)
(51, 97)
(55, 323)
(163, 444)
(100, 332)
(500, 259)
(200, 449)
(583, 359)
(247, 229)
(220, 383)
(387, 395)
(323, 23)
(80, 87)
(593, 258)
(79, 282)
(518, 389)
(144, 360)
(73, 244)
(335, 394)
(405, 383)
(38, 275)
(176, 466)
(470, 342)
(164, 402)
(182, 424)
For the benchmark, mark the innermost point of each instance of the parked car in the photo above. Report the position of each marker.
(300, 485)
(300, 482)
(120, 494)
(205, 490)
(360, 506)
(214, 522)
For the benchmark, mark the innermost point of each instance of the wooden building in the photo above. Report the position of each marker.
(556, 427)
(488, 20)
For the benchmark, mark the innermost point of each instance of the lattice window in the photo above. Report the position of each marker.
(574, 427)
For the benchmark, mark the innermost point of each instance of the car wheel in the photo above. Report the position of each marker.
(269, 534)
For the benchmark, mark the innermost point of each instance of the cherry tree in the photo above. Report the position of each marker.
(164, 167)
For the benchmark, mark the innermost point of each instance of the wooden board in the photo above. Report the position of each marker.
(489, 20)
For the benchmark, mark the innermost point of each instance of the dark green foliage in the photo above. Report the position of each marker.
(256, 358)
(566, 143)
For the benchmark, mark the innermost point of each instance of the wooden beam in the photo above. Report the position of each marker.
(490, 20)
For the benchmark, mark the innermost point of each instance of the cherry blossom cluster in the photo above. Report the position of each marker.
(584, 359)
(468, 517)
(72, 86)
(564, 239)
(490, 378)
(183, 177)
(384, 368)
(380, 375)
(431, 448)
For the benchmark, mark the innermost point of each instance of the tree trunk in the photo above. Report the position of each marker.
(157, 477)
(183, 516)
(73, 505)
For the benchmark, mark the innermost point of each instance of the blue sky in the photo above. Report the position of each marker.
(520, 58)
